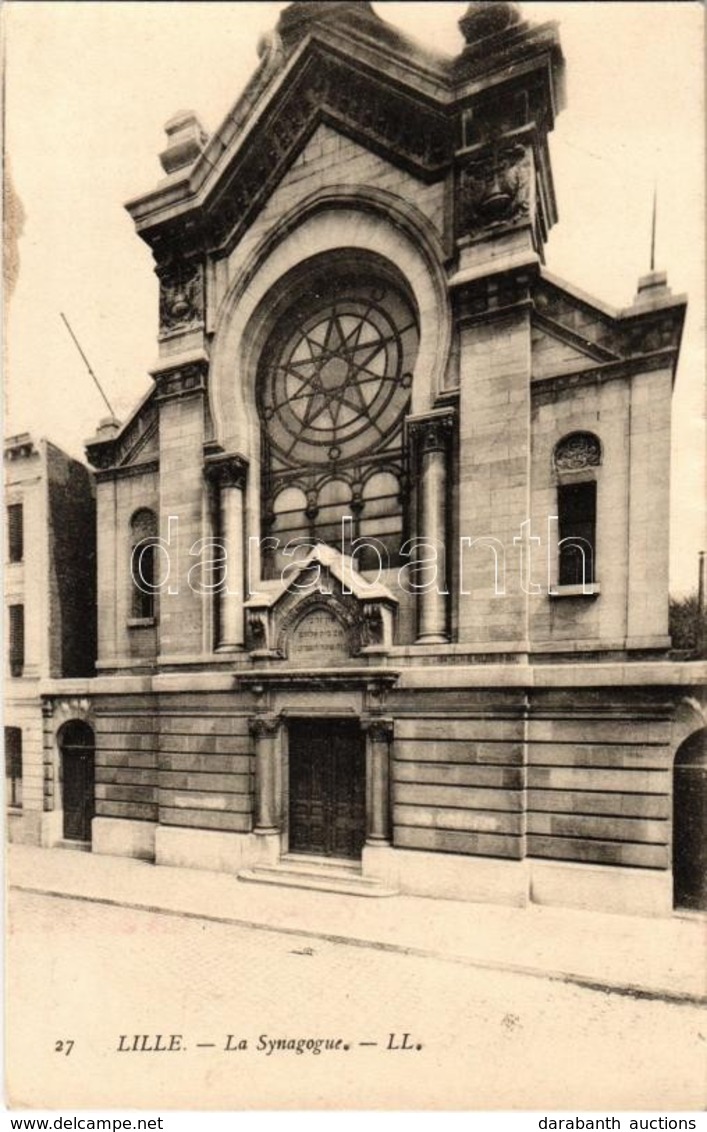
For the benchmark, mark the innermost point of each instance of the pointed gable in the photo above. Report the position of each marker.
(133, 445)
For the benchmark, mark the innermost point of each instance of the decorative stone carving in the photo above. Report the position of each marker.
(256, 631)
(322, 613)
(373, 625)
(226, 471)
(410, 130)
(578, 451)
(181, 382)
(181, 296)
(263, 726)
(431, 434)
(482, 20)
(495, 187)
(319, 630)
(62, 710)
(378, 730)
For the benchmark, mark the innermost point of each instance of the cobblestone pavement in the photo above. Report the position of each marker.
(87, 973)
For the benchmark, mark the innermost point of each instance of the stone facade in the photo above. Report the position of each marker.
(517, 722)
(50, 575)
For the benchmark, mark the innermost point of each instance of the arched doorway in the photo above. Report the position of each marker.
(77, 747)
(690, 823)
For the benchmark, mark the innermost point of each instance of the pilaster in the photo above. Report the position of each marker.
(431, 442)
(494, 461)
(228, 475)
(379, 739)
(180, 395)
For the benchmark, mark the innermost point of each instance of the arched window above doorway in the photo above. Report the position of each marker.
(334, 385)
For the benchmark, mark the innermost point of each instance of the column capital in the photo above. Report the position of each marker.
(379, 729)
(226, 470)
(431, 432)
(261, 726)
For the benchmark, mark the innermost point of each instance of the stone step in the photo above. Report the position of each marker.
(320, 878)
(309, 861)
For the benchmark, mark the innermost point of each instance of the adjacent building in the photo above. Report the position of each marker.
(382, 555)
(50, 619)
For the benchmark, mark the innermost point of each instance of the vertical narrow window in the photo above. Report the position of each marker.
(143, 538)
(17, 639)
(15, 533)
(577, 458)
(13, 766)
(577, 516)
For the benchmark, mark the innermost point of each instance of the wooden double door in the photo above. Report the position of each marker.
(327, 762)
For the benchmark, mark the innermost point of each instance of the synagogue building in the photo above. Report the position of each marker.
(383, 553)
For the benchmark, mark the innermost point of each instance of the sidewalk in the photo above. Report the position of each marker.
(627, 954)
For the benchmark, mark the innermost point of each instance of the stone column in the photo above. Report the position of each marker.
(228, 473)
(431, 438)
(379, 736)
(265, 730)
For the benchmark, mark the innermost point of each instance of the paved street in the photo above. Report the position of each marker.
(89, 973)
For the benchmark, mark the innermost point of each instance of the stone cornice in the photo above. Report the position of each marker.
(181, 378)
(20, 447)
(407, 129)
(369, 82)
(548, 389)
(148, 467)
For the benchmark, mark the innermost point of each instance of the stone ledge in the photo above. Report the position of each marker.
(601, 888)
(120, 837)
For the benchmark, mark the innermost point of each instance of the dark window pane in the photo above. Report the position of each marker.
(144, 580)
(143, 528)
(577, 530)
(13, 766)
(17, 639)
(15, 534)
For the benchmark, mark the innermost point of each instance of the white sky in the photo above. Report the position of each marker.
(90, 85)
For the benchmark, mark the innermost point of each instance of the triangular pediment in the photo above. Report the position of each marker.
(556, 349)
(572, 331)
(324, 569)
(132, 445)
(320, 610)
(396, 113)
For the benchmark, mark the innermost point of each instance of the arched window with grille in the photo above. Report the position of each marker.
(334, 386)
(143, 540)
(577, 458)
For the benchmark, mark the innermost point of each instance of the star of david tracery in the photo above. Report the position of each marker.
(341, 380)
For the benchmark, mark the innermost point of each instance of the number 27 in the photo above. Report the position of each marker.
(64, 1047)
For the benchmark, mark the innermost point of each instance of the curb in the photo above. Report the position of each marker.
(631, 990)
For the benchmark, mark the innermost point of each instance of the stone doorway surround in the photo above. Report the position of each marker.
(357, 696)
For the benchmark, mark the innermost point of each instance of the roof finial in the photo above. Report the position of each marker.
(486, 18)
